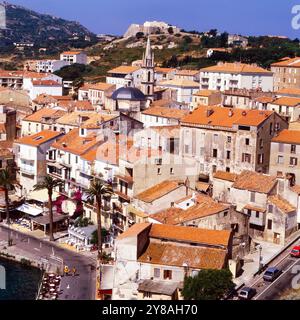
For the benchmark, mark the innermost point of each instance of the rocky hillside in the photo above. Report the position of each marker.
(28, 26)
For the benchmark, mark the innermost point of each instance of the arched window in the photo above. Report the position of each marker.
(148, 90)
(149, 76)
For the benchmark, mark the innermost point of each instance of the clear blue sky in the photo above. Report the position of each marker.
(249, 17)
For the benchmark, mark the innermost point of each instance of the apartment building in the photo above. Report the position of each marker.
(161, 74)
(31, 152)
(152, 260)
(184, 89)
(206, 98)
(96, 93)
(271, 216)
(72, 57)
(43, 119)
(63, 158)
(161, 196)
(229, 139)
(235, 40)
(125, 75)
(192, 75)
(287, 107)
(285, 156)
(228, 76)
(286, 73)
(49, 66)
(244, 98)
(201, 211)
(49, 87)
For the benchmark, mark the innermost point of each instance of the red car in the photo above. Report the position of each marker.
(296, 252)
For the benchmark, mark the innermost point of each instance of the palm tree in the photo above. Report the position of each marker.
(50, 184)
(6, 182)
(96, 191)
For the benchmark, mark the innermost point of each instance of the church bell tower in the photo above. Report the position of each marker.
(147, 83)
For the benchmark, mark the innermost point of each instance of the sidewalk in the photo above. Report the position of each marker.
(251, 261)
(59, 237)
(269, 251)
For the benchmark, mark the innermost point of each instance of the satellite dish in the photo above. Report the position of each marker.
(68, 207)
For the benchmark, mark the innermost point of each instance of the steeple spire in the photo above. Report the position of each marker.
(148, 54)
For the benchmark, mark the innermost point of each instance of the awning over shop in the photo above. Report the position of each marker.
(41, 195)
(30, 210)
(45, 220)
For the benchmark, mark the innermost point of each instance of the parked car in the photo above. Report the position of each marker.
(247, 293)
(271, 274)
(296, 252)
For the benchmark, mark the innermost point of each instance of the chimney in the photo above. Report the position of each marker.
(244, 113)
(230, 113)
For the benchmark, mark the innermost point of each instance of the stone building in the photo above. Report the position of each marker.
(230, 140)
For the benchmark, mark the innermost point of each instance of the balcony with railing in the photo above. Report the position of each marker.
(29, 170)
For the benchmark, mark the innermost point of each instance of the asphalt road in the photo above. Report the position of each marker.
(80, 287)
(290, 276)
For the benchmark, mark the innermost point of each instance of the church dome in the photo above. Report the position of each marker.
(128, 93)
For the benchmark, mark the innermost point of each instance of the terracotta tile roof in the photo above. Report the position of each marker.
(162, 103)
(75, 144)
(264, 99)
(63, 98)
(236, 68)
(71, 52)
(44, 99)
(204, 93)
(6, 144)
(96, 120)
(289, 91)
(225, 117)
(107, 152)
(158, 287)
(159, 190)
(291, 62)
(124, 69)
(46, 83)
(134, 231)
(256, 182)
(39, 138)
(202, 186)
(223, 175)
(167, 131)
(75, 105)
(72, 118)
(178, 255)
(190, 234)
(282, 204)
(179, 83)
(204, 206)
(296, 189)
(287, 101)
(6, 154)
(163, 70)
(165, 112)
(186, 72)
(101, 86)
(22, 74)
(39, 115)
(254, 208)
(288, 136)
